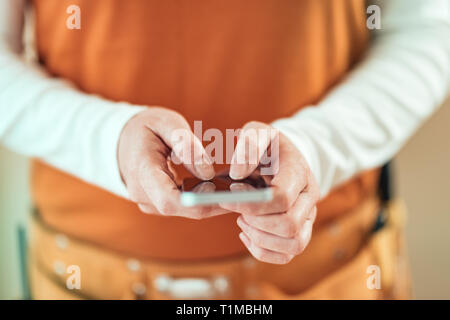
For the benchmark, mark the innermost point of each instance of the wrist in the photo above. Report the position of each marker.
(303, 144)
(115, 127)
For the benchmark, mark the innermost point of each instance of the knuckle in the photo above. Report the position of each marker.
(252, 124)
(200, 214)
(249, 219)
(166, 208)
(286, 259)
(290, 227)
(134, 197)
(297, 247)
(196, 216)
(260, 254)
(176, 116)
(256, 238)
(291, 231)
(284, 202)
(144, 209)
(176, 119)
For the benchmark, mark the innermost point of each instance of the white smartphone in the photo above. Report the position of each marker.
(223, 189)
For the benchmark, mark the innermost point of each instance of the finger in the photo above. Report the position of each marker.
(313, 215)
(276, 205)
(291, 246)
(285, 224)
(240, 187)
(281, 202)
(173, 173)
(291, 179)
(262, 254)
(205, 187)
(254, 139)
(186, 148)
(147, 208)
(137, 193)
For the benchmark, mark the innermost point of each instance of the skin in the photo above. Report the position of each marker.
(273, 232)
(276, 231)
(145, 145)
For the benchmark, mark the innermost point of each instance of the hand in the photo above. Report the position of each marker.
(278, 230)
(145, 145)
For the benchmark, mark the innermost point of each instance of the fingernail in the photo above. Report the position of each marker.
(236, 187)
(206, 171)
(236, 171)
(239, 221)
(232, 176)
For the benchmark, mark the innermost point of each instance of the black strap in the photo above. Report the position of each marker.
(385, 183)
(385, 192)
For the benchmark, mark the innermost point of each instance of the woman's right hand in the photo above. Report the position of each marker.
(146, 143)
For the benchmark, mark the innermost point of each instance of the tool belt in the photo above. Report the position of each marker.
(334, 266)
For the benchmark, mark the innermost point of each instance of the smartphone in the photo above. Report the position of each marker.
(223, 189)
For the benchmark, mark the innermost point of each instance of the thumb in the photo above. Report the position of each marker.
(254, 139)
(186, 148)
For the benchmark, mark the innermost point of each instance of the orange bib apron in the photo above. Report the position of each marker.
(224, 63)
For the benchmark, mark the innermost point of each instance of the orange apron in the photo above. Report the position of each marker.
(339, 263)
(221, 62)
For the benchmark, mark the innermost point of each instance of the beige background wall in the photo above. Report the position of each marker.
(423, 179)
(422, 176)
(14, 209)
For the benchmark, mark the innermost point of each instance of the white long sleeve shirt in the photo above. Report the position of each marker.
(360, 125)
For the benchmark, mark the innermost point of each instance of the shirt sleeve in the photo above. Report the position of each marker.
(50, 119)
(367, 118)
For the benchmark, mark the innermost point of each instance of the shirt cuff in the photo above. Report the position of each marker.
(111, 132)
(290, 128)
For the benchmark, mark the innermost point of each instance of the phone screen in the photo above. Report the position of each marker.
(222, 184)
(223, 189)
